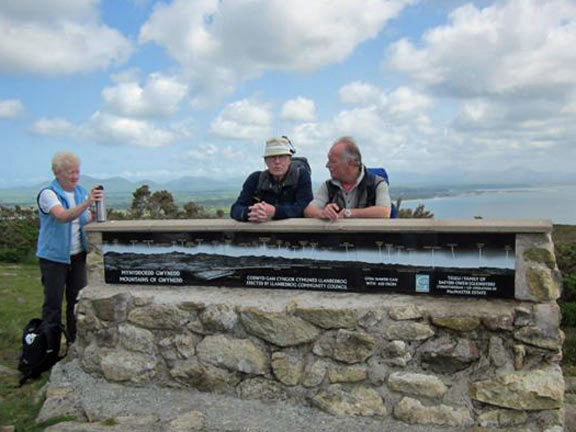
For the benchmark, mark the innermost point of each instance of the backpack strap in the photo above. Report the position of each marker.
(38, 198)
(372, 182)
(265, 183)
(366, 189)
(334, 194)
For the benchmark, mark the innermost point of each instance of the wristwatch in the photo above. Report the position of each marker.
(347, 213)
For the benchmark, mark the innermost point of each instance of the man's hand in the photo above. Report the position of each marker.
(261, 212)
(332, 212)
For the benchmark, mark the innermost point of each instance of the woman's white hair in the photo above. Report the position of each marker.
(64, 160)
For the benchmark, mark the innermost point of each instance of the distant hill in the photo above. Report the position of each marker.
(221, 193)
(119, 190)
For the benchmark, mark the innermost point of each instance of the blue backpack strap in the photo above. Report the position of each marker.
(393, 211)
(381, 172)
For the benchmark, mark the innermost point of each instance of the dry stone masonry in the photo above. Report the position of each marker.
(469, 363)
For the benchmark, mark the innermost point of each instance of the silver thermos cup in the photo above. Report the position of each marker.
(100, 208)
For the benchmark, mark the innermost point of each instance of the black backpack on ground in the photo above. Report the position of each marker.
(40, 348)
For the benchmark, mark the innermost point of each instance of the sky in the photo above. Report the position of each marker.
(434, 91)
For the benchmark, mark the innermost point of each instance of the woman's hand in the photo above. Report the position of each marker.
(96, 194)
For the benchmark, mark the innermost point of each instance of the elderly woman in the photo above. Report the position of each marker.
(64, 210)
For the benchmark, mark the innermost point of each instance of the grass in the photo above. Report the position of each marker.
(21, 294)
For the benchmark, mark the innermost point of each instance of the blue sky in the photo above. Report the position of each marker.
(436, 90)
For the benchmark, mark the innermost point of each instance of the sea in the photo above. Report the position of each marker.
(557, 203)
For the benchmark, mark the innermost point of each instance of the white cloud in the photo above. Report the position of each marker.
(204, 35)
(53, 126)
(54, 9)
(570, 106)
(57, 37)
(160, 96)
(405, 100)
(126, 75)
(509, 68)
(214, 153)
(359, 93)
(514, 48)
(391, 128)
(299, 109)
(109, 129)
(244, 120)
(10, 108)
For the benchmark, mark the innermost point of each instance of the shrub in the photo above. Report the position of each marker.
(568, 314)
(19, 228)
(566, 258)
(569, 287)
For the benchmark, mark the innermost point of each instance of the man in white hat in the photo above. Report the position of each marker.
(282, 191)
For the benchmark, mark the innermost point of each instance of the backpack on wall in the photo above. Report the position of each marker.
(40, 348)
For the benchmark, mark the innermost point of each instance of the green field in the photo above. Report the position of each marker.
(21, 294)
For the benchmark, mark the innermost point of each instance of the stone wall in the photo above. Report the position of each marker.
(460, 362)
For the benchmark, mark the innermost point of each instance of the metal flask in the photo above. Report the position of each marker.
(100, 208)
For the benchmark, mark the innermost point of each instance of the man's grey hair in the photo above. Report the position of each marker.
(64, 160)
(351, 150)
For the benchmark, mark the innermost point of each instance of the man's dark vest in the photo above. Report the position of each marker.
(366, 191)
(274, 192)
